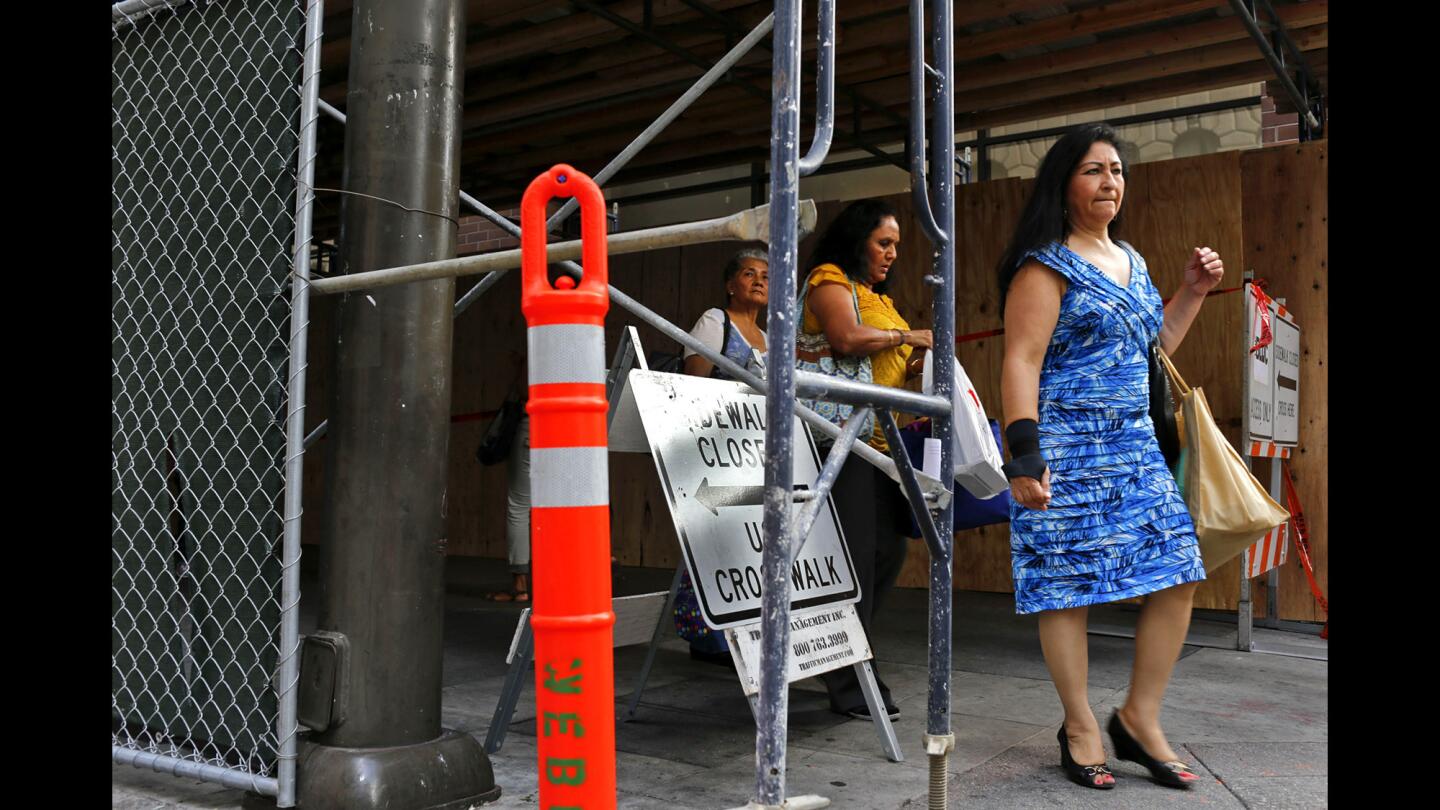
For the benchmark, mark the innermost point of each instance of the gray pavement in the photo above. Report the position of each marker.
(1254, 726)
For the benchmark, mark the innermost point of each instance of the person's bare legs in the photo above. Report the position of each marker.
(1066, 648)
(1159, 635)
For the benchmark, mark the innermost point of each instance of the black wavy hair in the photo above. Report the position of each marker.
(843, 243)
(1043, 220)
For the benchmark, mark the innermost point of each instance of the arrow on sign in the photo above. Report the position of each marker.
(714, 497)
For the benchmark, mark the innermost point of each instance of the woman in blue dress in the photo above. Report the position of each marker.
(1097, 516)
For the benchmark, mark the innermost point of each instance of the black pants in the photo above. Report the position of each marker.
(872, 513)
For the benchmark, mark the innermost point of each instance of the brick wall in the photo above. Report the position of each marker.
(1276, 128)
(479, 235)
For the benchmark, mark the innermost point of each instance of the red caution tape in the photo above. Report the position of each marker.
(1262, 311)
(979, 335)
(1302, 544)
(1213, 292)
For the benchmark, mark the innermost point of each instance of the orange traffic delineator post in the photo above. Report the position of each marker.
(570, 503)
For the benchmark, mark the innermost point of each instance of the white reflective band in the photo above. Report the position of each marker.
(569, 476)
(566, 353)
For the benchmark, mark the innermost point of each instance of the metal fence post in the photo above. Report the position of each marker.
(289, 674)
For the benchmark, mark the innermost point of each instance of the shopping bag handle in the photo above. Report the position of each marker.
(1173, 372)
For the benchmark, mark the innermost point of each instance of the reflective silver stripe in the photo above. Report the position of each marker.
(569, 476)
(566, 353)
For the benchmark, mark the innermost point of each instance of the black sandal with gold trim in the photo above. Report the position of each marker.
(1091, 776)
(1174, 773)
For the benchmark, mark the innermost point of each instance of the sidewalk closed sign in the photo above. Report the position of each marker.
(708, 441)
(1272, 376)
(1287, 381)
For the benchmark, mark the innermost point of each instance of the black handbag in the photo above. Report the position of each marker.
(1162, 408)
(495, 446)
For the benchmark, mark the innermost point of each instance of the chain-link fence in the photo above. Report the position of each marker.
(205, 103)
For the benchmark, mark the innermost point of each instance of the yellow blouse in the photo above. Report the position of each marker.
(878, 311)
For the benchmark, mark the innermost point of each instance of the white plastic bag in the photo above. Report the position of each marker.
(977, 459)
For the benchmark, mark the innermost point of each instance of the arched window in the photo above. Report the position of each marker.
(1196, 141)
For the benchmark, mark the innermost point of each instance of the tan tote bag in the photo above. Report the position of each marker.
(1230, 508)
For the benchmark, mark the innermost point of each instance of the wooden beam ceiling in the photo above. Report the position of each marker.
(547, 81)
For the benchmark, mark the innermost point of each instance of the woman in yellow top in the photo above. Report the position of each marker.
(852, 266)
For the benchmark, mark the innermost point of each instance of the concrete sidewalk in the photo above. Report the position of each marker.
(1254, 726)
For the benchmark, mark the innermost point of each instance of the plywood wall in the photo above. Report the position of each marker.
(1263, 209)
(1170, 207)
(1285, 191)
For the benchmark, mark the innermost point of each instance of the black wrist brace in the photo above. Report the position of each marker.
(1023, 436)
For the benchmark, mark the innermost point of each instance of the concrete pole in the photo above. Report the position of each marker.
(382, 563)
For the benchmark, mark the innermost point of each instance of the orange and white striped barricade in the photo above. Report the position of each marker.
(1267, 553)
(1262, 449)
(570, 503)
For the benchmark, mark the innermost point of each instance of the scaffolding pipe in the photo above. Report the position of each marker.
(811, 385)
(494, 278)
(470, 295)
(826, 480)
(909, 486)
(750, 225)
(919, 192)
(481, 209)
(1285, 43)
(330, 110)
(772, 704)
(681, 104)
(939, 738)
(824, 93)
(935, 491)
(317, 434)
(474, 292)
(1299, 99)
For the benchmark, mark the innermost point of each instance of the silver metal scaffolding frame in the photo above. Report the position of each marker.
(1306, 95)
(930, 497)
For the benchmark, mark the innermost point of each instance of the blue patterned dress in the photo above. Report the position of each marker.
(1117, 526)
